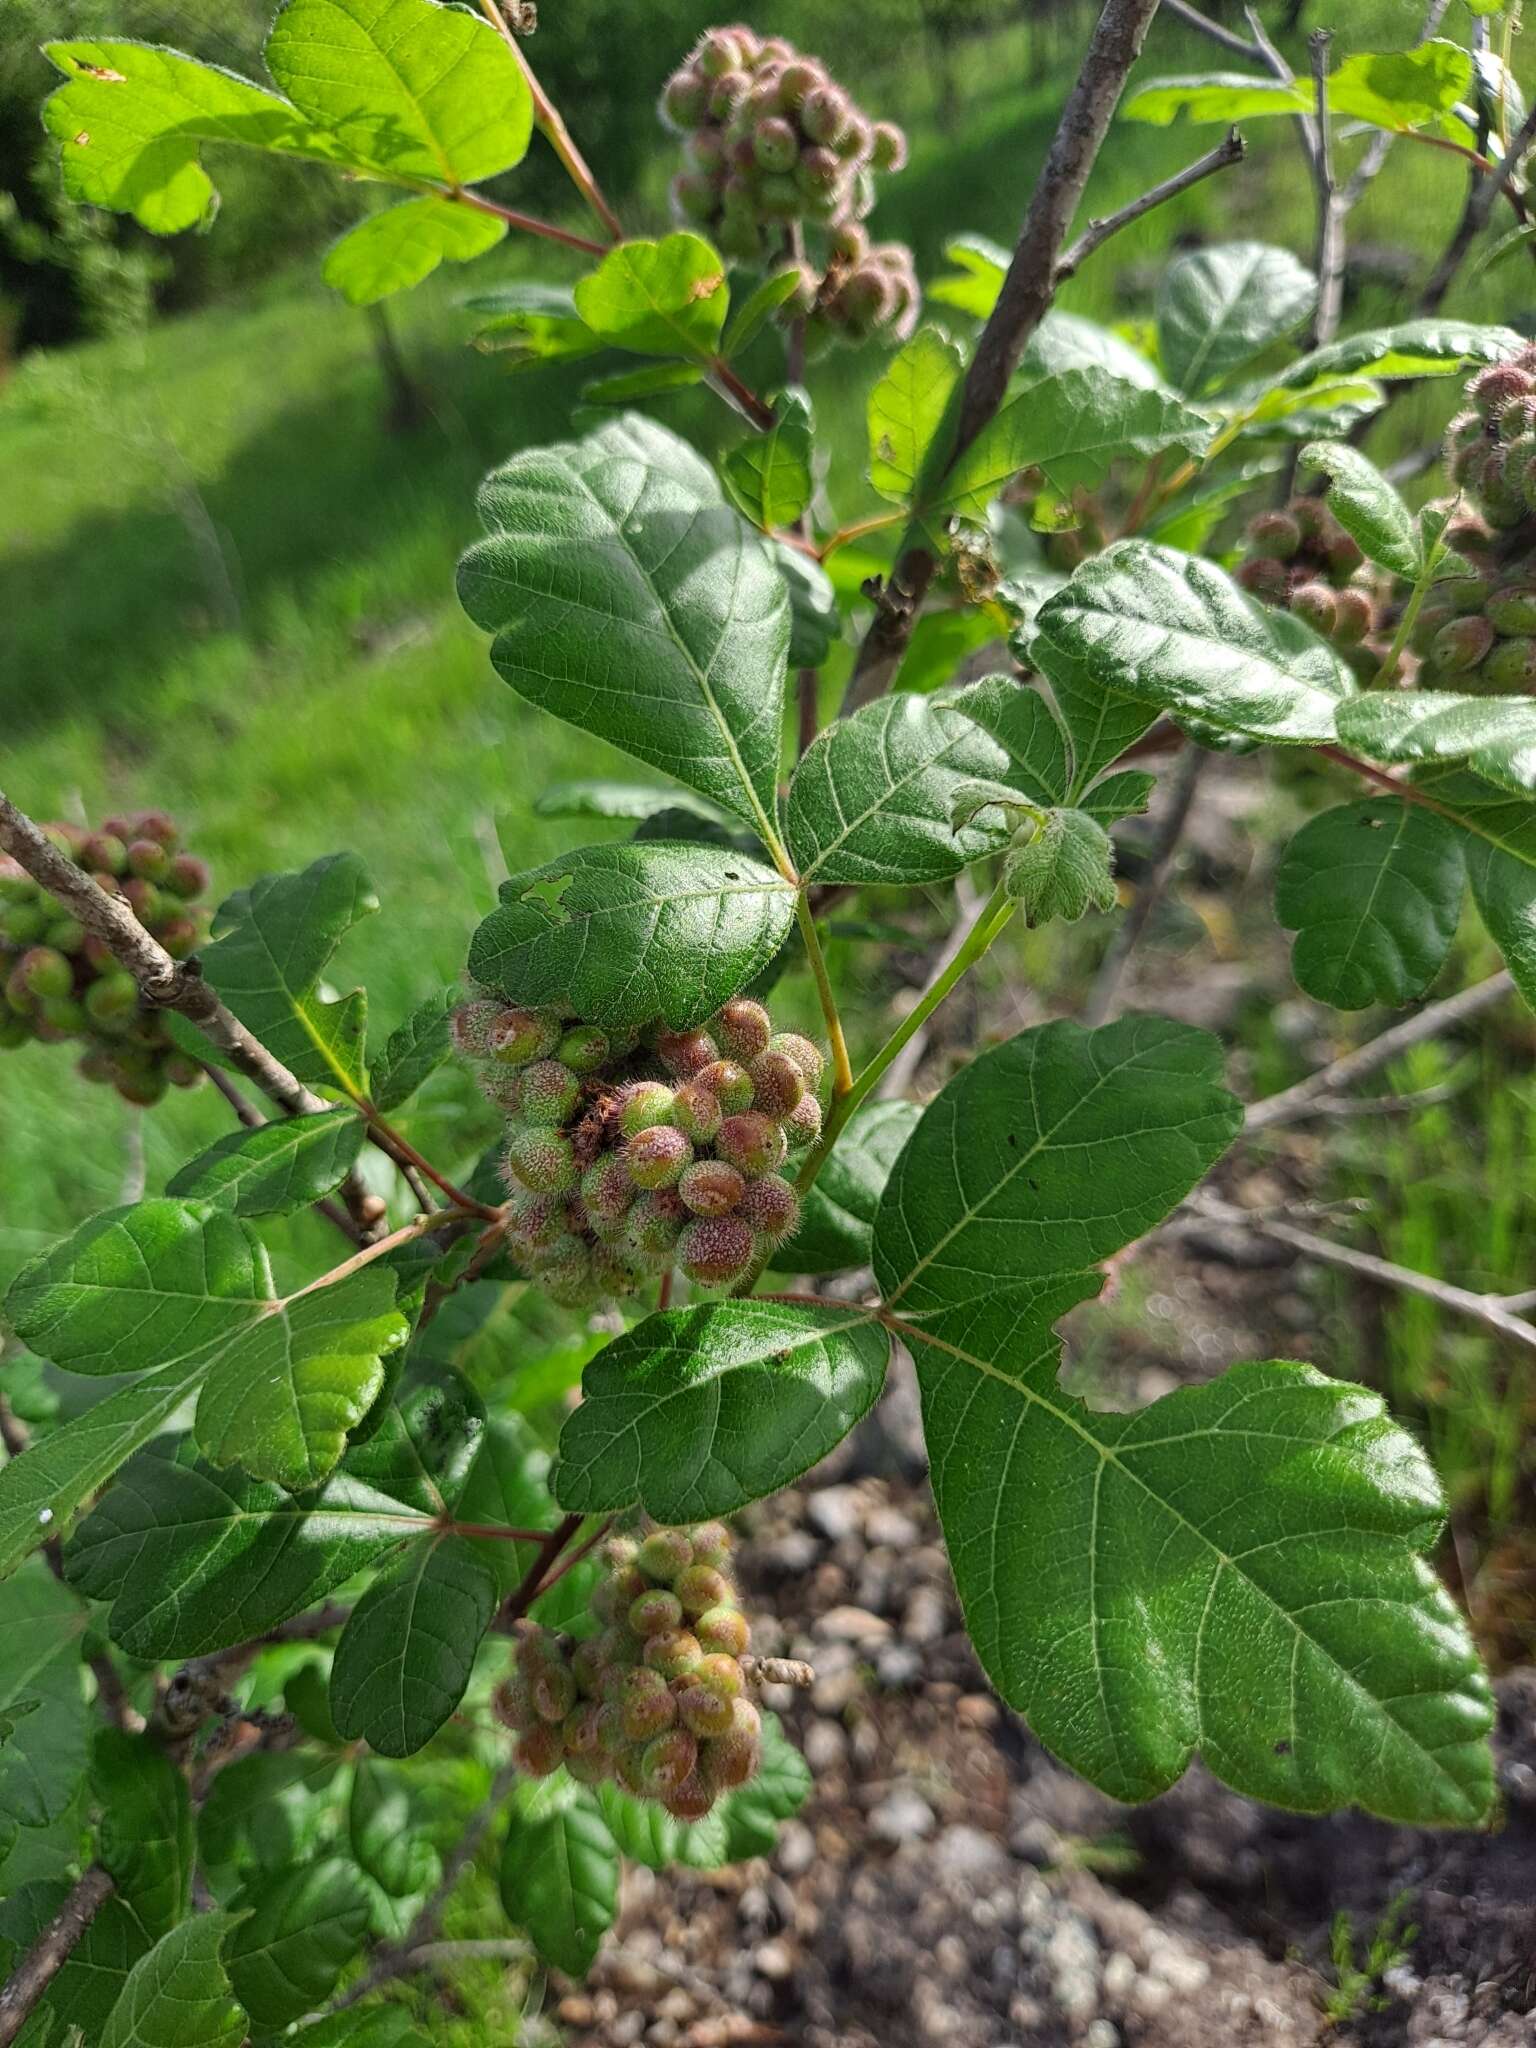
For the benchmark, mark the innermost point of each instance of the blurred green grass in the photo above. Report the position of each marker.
(228, 587)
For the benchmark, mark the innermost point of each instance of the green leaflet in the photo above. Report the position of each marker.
(1178, 633)
(178, 1996)
(1504, 890)
(44, 1758)
(145, 1834)
(93, 1975)
(630, 600)
(870, 801)
(777, 1793)
(697, 1411)
(649, 382)
(272, 943)
(386, 1825)
(837, 1218)
(1220, 306)
(415, 89)
(281, 1398)
(1373, 891)
(1237, 1568)
(1493, 736)
(1397, 90)
(633, 932)
(770, 475)
(646, 1833)
(397, 247)
(1216, 96)
(814, 620)
(907, 409)
(665, 298)
(1071, 426)
(1367, 506)
(406, 1653)
(280, 1166)
(753, 314)
(414, 1051)
(133, 120)
(560, 1880)
(300, 1929)
(1416, 348)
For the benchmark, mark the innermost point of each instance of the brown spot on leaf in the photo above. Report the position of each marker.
(104, 72)
(705, 287)
(82, 138)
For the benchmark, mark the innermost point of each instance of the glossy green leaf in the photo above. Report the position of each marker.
(973, 287)
(1216, 96)
(755, 311)
(1021, 721)
(635, 931)
(144, 1837)
(281, 1398)
(1327, 406)
(56, 1475)
(1504, 890)
(393, 249)
(273, 942)
(529, 323)
(1178, 633)
(374, 2027)
(414, 1051)
(629, 599)
(1401, 89)
(1373, 891)
(133, 121)
(782, 1786)
(770, 476)
(157, 1284)
(385, 1823)
(179, 1995)
(1071, 427)
(560, 1881)
(1235, 1569)
(194, 1558)
(665, 298)
(406, 1654)
(43, 1760)
(1435, 347)
(871, 800)
(1220, 306)
(1367, 506)
(837, 1218)
(417, 89)
(697, 1411)
(280, 1166)
(301, 1929)
(1066, 341)
(1493, 736)
(93, 1974)
(906, 411)
(652, 381)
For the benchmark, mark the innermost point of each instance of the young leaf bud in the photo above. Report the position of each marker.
(655, 1612)
(722, 1631)
(752, 1142)
(644, 1104)
(548, 1094)
(657, 1158)
(541, 1161)
(711, 1188)
(771, 1207)
(716, 1251)
(663, 1554)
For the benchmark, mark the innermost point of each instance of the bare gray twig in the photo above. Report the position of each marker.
(51, 1951)
(1230, 150)
(1183, 782)
(1226, 38)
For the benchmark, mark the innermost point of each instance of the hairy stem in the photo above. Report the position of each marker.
(842, 1070)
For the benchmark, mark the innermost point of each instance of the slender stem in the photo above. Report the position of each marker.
(756, 410)
(1230, 150)
(418, 1226)
(51, 1950)
(525, 223)
(857, 531)
(1405, 626)
(842, 1070)
(579, 1555)
(548, 121)
(531, 1584)
(989, 921)
(405, 1154)
(1330, 210)
(1235, 45)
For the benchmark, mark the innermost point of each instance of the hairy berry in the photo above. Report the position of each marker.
(658, 1157)
(729, 1083)
(696, 1111)
(518, 1036)
(644, 1104)
(540, 1752)
(805, 1053)
(646, 1703)
(1461, 644)
(699, 1588)
(777, 1083)
(722, 1631)
(584, 1049)
(743, 1029)
(753, 1142)
(547, 1093)
(541, 1161)
(673, 1652)
(772, 1207)
(669, 1761)
(715, 1251)
(711, 1188)
(655, 1612)
(663, 1554)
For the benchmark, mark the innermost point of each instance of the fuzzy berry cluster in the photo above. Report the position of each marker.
(1490, 448)
(777, 151)
(626, 1158)
(1478, 631)
(61, 983)
(655, 1701)
(1302, 559)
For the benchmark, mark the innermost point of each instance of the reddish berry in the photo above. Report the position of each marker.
(700, 1588)
(669, 1761)
(655, 1612)
(187, 876)
(712, 1543)
(723, 1631)
(729, 1083)
(803, 1124)
(703, 1711)
(542, 1161)
(690, 1801)
(716, 1251)
(665, 1553)
(645, 1701)
(777, 1083)
(1315, 603)
(658, 1157)
(771, 1207)
(805, 1053)
(674, 1652)
(513, 1705)
(711, 1188)
(518, 1036)
(540, 1752)
(607, 1189)
(753, 1142)
(683, 1053)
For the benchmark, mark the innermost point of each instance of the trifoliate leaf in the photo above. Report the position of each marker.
(1062, 868)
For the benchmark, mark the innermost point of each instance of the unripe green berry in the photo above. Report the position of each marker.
(580, 1728)
(727, 94)
(147, 859)
(697, 1112)
(63, 1017)
(673, 1653)
(104, 850)
(771, 1207)
(805, 1053)
(731, 1760)
(720, 52)
(45, 973)
(646, 1704)
(518, 1036)
(776, 144)
(606, 1188)
(14, 1032)
(23, 923)
(1512, 609)
(656, 1222)
(723, 1631)
(752, 1142)
(187, 876)
(180, 936)
(729, 1083)
(685, 98)
(584, 1049)
(589, 1670)
(700, 1588)
(112, 1002)
(1461, 644)
(655, 1612)
(1512, 666)
(778, 195)
(548, 1094)
(711, 1188)
(65, 935)
(534, 1222)
(712, 1544)
(824, 114)
(642, 1105)
(722, 1675)
(1314, 602)
(716, 1251)
(553, 1691)
(663, 1554)
(693, 196)
(658, 1157)
(542, 1161)
(619, 1646)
